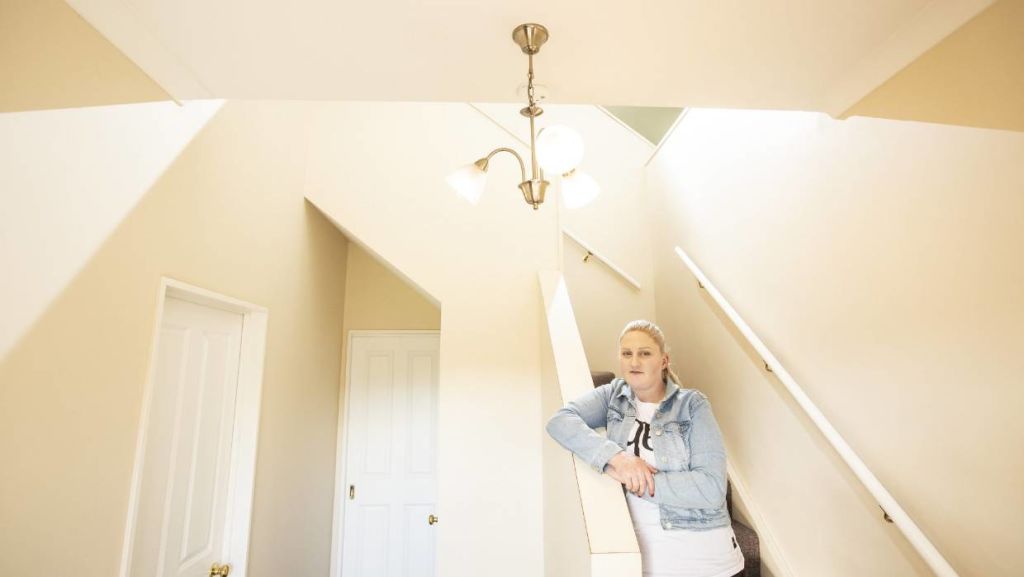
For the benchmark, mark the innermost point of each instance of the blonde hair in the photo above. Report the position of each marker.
(652, 330)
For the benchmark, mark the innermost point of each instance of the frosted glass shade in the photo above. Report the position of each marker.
(559, 149)
(468, 182)
(579, 189)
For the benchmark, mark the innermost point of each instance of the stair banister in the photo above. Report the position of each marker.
(611, 548)
(906, 525)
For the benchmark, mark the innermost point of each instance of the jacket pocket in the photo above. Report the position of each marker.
(615, 425)
(675, 443)
(614, 416)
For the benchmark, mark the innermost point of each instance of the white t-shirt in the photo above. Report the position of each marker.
(675, 553)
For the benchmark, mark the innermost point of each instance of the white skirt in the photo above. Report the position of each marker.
(682, 553)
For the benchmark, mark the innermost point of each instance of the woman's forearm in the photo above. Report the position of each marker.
(694, 489)
(570, 431)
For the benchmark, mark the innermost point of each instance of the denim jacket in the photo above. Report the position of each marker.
(690, 484)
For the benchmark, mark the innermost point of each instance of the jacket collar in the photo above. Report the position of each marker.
(671, 388)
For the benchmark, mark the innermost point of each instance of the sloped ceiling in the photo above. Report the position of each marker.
(786, 54)
(51, 58)
(975, 77)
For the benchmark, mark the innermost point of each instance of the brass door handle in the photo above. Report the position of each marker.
(432, 520)
(220, 570)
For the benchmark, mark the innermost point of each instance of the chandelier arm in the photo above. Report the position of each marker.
(522, 167)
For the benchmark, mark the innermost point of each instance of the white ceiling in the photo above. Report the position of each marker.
(788, 54)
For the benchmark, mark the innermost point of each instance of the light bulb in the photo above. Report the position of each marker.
(559, 149)
(468, 182)
(578, 189)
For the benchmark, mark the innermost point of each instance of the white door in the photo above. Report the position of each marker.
(391, 434)
(180, 521)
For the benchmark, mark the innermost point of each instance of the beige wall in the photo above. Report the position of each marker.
(604, 303)
(378, 298)
(975, 77)
(51, 58)
(880, 262)
(229, 216)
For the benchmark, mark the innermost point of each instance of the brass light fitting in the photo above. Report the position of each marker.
(562, 153)
(529, 37)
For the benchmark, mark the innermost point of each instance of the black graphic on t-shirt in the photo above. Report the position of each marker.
(642, 435)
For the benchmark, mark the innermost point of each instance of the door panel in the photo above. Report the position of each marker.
(380, 387)
(374, 521)
(422, 414)
(419, 554)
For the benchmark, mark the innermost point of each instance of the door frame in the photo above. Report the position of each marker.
(344, 406)
(241, 478)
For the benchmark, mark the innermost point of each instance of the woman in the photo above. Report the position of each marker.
(664, 446)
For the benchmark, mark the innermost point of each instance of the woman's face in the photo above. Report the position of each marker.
(641, 362)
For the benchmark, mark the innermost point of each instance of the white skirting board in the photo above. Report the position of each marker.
(773, 562)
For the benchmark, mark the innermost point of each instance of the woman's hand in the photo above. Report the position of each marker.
(633, 472)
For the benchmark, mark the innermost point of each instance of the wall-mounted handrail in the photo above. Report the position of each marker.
(910, 530)
(593, 253)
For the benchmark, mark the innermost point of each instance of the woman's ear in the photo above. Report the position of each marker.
(664, 361)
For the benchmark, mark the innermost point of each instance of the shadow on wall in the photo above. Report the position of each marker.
(53, 58)
(70, 178)
(227, 215)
